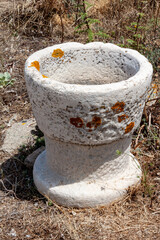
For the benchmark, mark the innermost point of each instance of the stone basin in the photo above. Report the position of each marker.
(87, 100)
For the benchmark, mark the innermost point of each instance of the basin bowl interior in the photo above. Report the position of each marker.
(90, 66)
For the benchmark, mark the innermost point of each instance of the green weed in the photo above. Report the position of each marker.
(118, 152)
(87, 25)
(148, 188)
(49, 203)
(5, 79)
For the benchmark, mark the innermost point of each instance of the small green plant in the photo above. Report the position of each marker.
(118, 152)
(135, 30)
(38, 209)
(153, 55)
(5, 79)
(40, 142)
(86, 23)
(148, 188)
(49, 203)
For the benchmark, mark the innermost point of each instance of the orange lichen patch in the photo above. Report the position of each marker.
(77, 122)
(129, 127)
(118, 107)
(44, 76)
(122, 117)
(35, 64)
(57, 53)
(153, 92)
(96, 121)
(155, 87)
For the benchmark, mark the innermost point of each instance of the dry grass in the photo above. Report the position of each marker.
(24, 213)
(131, 218)
(38, 18)
(48, 17)
(33, 217)
(134, 23)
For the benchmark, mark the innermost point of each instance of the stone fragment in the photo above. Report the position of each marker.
(18, 134)
(30, 159)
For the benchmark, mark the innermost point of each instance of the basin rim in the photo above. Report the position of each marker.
(144, 73)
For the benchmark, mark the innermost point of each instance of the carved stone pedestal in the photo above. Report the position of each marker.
(88, 100)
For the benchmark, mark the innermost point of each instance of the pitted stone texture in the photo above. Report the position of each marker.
(70, 108)
(77, 162)
(88, 193)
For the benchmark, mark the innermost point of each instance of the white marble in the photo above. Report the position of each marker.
(88, 100)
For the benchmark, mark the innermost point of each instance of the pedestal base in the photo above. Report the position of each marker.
(84, 193)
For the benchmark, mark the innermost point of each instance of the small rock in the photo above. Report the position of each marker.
(18, 134)
(28, 236)
(12, 120)
(12, 233)
(30, 159)
(157, 179)
(36, 204)
(73, 213)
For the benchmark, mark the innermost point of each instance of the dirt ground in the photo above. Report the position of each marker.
(24, 213)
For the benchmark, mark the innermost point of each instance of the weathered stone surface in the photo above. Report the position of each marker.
(18, 134)
(30, 159)
(90, 192)
(87, 99)
(71, 111)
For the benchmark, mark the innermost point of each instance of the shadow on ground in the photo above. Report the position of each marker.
(17, 179)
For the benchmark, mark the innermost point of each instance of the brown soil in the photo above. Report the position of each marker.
(24, 213)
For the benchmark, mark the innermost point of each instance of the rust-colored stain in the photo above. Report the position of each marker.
(44, 76)
(58, 53)
(35, 64)
(89, 125)
(122, 117)
(96, 121)
(118, 107)
(129, 127)
(77, 122)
